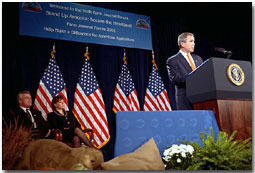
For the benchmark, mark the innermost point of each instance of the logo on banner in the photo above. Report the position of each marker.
(141, 23)
(32, 7)
(235, 74)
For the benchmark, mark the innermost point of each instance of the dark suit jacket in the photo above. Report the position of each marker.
(61, 122)
(178, 68)
(24, 120)
(66, 124)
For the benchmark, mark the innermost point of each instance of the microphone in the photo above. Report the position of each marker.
(222, 50)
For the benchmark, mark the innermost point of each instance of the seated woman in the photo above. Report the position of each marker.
(67, 123)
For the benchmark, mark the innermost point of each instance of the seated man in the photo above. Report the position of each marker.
(28, 117)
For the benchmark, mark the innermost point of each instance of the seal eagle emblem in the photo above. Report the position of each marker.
(235, 74)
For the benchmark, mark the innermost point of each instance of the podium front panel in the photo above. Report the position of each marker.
(210, 81)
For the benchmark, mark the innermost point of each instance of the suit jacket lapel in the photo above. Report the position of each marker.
(184, 62)
(195, 60)
(33, 113)
(24, 114)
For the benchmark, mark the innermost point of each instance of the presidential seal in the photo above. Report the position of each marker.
(235, 74)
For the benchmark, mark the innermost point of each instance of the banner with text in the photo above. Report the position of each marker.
(84, 23)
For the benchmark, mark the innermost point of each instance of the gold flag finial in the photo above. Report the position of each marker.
(86, 54)
(53, 51)
(153, 60)
(125, 58)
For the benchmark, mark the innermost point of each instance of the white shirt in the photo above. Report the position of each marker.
(186, 57)
(32, 118)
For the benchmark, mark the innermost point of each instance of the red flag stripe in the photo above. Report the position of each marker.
(45, 91)
(88, 118)
(130, 107)
(41, 104)
(82, 113)
(134, 94)
(82, 122)
(89, 125)
(46, 98)
(147, 107)
(90, 112)
(124, 101)
(123, 98)
(121, 101)
(152, 101)
(115, 104)
(42, 100)
(134, 106)
(89, 99)
(99, 100)
(93, 106)
(118, 102)
(162, 101)
(97, 116)
(99, 103)
(78, 116)
(167, 102)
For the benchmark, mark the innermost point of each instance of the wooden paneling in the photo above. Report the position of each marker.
(231, 115)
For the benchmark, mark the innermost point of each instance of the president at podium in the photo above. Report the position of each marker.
(181, 64)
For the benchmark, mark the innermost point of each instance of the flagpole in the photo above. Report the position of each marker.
(153, 60)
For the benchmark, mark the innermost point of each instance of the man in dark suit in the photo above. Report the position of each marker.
(180, 65)
(28, 117)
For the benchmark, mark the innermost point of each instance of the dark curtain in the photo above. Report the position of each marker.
(24, 58)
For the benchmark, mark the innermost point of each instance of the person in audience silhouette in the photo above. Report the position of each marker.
(26, 116)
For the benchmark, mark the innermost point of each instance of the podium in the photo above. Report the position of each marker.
(224, 86)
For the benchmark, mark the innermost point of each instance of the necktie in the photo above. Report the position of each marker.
(31, 118)
(29, 115)
(193, 67)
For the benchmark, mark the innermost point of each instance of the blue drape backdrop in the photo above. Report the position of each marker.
(24, 58)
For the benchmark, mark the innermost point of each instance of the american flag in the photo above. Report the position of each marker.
(89, 108)
(125, 95)
(156, 98)
(51, 84)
